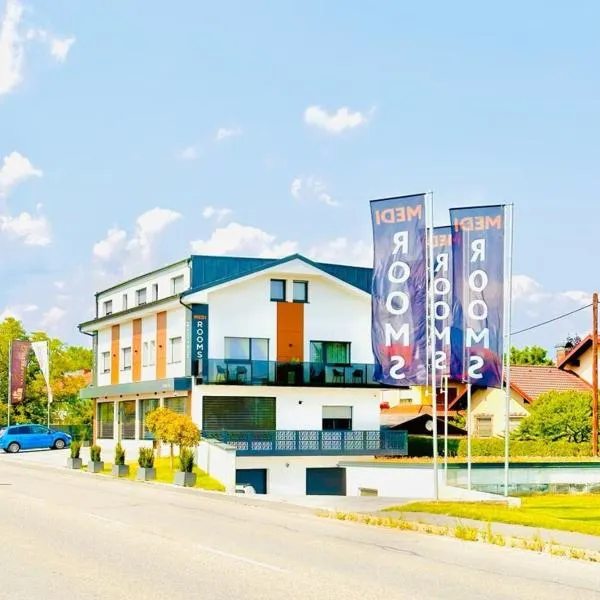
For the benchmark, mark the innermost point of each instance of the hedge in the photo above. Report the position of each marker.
(534, 448)
(421, 446)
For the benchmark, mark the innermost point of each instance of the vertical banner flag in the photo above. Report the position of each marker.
(442, 291)
(478, 284)
(42, 354)
(19, 354)
(399, 294)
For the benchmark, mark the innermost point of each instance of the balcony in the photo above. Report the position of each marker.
(314, 443)
(264, 372)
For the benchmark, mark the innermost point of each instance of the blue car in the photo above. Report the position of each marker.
(31, 437)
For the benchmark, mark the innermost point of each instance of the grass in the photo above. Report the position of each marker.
(164, 474)
(485, 459)
(579, 514)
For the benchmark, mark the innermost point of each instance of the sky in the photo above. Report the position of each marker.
(133, 135)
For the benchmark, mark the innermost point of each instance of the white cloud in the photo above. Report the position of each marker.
(526, 290)
(336, 122)
(59, 48)
(579, 297)
(343, 251)
(17, 311)
(244, 241)
(218, 213)
(59, 285)
(189, 153)
(16, 168)
(148, 225)
(53, 316)
(312, 188)
(113, 242)
(34, 230)
(11, 47)
(224, 133)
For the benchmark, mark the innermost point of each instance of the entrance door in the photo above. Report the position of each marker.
(328, 481)
(257, 478)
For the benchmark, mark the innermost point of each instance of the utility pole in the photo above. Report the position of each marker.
(595, 374)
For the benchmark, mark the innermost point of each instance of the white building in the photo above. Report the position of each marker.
(271, 357)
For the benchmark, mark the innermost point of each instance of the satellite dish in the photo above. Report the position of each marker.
(429, 425)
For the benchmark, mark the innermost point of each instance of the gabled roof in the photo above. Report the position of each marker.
(582, 347)
(531, 381)
(212, 271)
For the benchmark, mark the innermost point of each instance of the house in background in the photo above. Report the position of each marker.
(271, 358)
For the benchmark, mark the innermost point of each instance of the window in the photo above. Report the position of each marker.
(484, 426)
(176, 405)
(126, 359)
(108, 308)
(337, 418)
(330, 353)
(300, 291)
(39, 430)
(154, 292)
(105, 362)
(140, 296)
(152, 353)
(125, 305)
(514, 423)
(145, 354)
(235, 413)
(106, 420)
(175, 350)
(177, 285)
(146, 406)
(246, 349)
(127, 420)
(278, 290)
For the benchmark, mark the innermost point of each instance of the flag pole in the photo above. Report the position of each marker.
(436, 492)
(507, 325)
(446, 429)
(469, 445)
(9, 383)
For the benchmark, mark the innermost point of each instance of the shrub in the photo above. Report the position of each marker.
(186, 460)
(95, 453)
(146, 458)
(119, 455)
(75, 448)
(494, 447)
(420, 446)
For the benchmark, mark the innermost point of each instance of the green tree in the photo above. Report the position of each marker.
(559, 416)
(530, 355)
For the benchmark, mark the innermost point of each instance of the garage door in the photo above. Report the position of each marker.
(257, 478)
(329, 481)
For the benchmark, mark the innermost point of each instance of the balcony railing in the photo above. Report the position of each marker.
(264, 372)
(314, 443)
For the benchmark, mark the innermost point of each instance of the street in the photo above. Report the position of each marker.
(85, 536)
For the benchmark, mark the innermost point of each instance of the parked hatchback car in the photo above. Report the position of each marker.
(30, 437)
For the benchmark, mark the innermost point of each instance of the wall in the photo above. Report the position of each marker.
(492, 401)
(394, 481)
(125, 340)
(308, 415)
(218, 460)
(286, 475)
(584, 370)
(176, 327)
(148, 334)
(104, 345)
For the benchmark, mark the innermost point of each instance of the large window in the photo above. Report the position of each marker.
(278, 290)
(146, 406)
(127, 420)
(246, 349)
(226, 413)
(300, 293)
(106, 420)
(177, 285)
(126, 359)
(108, 308)
(176, 405)
(337, 418)
(105, 362)
(330, 353)
(175, 350)
(141, 296)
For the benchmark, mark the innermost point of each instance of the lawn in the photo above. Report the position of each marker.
(577, 513)
(164, 473)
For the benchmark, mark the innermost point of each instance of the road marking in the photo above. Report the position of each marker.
(245, 559)
(106, 519)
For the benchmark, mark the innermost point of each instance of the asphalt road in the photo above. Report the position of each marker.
(89, 536)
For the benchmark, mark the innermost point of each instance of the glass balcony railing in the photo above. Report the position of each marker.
(314, 443)
(264, 372)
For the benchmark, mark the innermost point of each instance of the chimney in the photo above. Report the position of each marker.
(564, 349)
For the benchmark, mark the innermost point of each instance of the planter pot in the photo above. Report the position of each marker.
(74, 463)
(120, 470)
(144, 474)
(96, 467)
(185, 479)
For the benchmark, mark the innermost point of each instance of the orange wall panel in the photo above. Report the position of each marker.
(114, 354)
(290, 331)
(136, 360)
(161, 345)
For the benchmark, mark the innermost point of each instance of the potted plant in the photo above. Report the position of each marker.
(185, 476)
(120, 469)
(95, 465)
(74, 461)
(146, 470)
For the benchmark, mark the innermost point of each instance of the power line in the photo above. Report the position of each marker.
(551, 320)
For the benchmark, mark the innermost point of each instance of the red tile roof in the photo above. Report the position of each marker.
(583, 345)
(531, 381)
